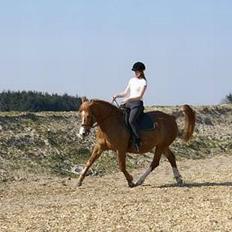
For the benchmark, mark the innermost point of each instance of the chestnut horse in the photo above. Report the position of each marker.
(112, 134)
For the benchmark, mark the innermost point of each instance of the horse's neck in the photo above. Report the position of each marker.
(103, 113)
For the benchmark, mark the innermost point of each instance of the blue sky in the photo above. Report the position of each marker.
(87, 47)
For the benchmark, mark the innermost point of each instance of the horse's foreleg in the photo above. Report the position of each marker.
(172, 160)
(122, 167)
(97, 151)
(153, 165)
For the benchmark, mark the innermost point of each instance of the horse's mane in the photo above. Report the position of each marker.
(113, 107)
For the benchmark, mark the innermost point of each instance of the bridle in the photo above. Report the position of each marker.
(88, 127)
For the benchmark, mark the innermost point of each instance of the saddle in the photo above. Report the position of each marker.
(145, 122)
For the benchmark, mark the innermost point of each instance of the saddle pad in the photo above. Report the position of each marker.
(145, 122)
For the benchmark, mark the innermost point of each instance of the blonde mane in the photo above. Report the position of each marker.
(113, 107)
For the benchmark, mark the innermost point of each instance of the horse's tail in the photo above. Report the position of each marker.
(190, 120)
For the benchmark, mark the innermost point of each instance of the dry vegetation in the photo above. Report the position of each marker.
(38, 150)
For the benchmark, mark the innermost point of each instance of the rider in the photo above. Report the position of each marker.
(133, 99)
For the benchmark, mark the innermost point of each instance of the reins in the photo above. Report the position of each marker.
(108, 116)
(114, 100)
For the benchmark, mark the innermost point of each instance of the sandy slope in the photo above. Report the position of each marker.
(107, 204)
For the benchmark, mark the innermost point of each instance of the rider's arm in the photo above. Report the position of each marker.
(124, 93)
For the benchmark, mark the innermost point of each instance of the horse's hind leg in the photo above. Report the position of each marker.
(172, 160)
(122, 167)
(97, 151)
(155, 163)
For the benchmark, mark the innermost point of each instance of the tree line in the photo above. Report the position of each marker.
(37, 101)
(228, 99)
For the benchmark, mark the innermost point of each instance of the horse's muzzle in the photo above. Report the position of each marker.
(83, 132)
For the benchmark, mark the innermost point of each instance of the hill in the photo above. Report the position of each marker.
(38, 193)
(45, 143)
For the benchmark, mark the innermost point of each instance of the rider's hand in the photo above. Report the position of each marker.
(114, 97)
(125, 100)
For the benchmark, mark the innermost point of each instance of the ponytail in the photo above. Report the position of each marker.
(143, 77)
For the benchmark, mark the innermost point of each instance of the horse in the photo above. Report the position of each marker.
(112, 134)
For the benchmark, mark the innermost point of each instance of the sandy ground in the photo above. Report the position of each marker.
(107, 204)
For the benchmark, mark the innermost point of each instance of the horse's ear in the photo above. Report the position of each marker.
(84, 99)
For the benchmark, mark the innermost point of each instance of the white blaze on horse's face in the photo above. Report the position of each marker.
(84, 130)
(81, 132)
(83, 117)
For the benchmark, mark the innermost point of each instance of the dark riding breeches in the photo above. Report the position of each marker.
(136, 110)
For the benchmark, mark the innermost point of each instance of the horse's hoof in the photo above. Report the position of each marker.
(131, 184)
(139, 182)
(78, 184)
(180, 183)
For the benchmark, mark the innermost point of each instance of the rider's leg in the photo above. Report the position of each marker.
(134, 114)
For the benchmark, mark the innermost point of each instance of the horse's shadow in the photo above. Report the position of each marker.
(197, 184)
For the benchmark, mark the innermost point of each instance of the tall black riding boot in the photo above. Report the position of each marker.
(136, 143)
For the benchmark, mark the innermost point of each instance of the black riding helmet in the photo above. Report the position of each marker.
(138, 66)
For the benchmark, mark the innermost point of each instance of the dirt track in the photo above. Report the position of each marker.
(107, 204)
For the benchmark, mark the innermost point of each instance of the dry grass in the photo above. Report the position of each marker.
(46, 142)
(36, 194)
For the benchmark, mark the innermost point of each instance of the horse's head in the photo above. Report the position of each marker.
(95, 111)
(87, 118)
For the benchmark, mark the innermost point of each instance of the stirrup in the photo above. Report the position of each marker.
(136, 147)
